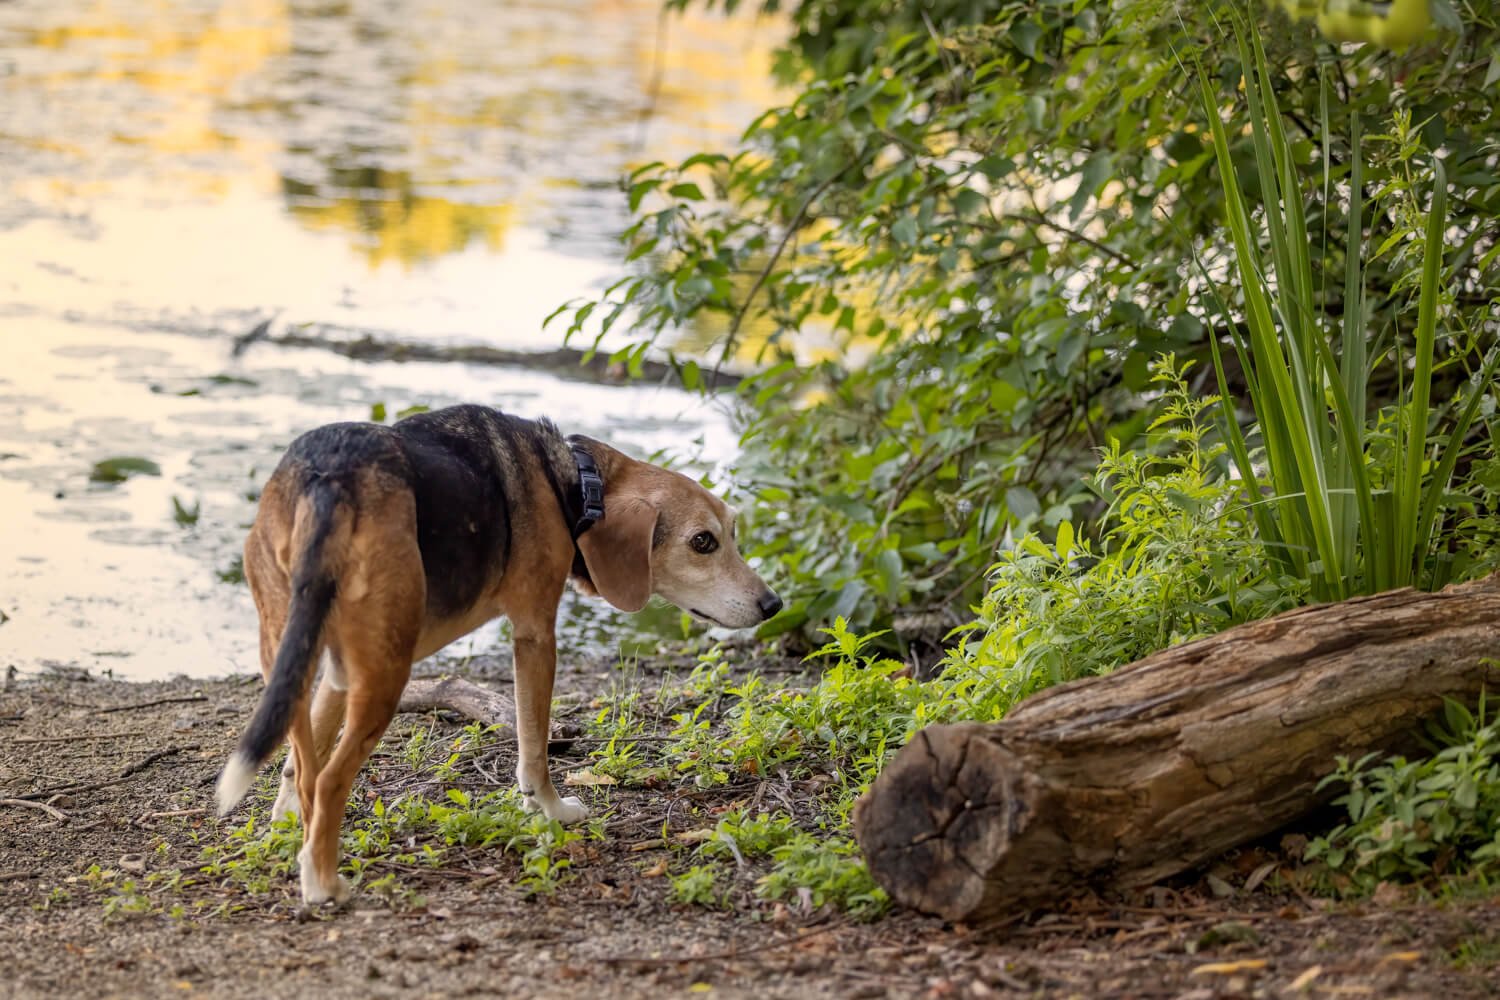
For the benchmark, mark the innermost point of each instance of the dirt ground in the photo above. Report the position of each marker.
(125, 773)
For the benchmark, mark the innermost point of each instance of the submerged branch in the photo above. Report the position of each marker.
(563, 362)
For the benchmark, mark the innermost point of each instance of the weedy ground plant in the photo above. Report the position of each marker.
(1421, 818)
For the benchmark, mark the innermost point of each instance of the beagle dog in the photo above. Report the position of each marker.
(383, 544)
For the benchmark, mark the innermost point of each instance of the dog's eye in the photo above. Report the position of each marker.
(704, 542)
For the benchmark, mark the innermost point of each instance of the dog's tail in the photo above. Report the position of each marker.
(315, 523)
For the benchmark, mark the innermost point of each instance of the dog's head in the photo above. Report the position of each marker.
(665, 534)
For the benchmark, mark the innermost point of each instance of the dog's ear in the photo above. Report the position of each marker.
(617, 552)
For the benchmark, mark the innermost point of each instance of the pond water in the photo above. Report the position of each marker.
(172, 175)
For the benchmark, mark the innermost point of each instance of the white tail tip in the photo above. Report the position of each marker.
(238, 776)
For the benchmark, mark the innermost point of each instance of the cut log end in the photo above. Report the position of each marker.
(947, 810)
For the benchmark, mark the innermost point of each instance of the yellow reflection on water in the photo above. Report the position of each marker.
(192, 57)
(480, 108)
(388, 221)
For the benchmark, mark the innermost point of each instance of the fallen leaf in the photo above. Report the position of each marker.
(587, 777)
(1230, 968)
(657, 870)
(694, 836)
(1303, 981)
(1402, 956)
(1220, 888)
(1259, 875)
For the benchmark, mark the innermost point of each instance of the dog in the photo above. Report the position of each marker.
(382, 544)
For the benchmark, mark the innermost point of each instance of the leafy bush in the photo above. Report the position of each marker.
(1177, 561)
(957, 249)
(697, 886)
(829, 870)
(1411, 819)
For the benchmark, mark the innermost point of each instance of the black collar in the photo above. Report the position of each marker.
(590, 488)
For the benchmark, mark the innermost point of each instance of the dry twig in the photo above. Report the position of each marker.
(52, 811)
(151, 704)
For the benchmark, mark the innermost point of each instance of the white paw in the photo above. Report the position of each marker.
(566, 811)
(316, 893)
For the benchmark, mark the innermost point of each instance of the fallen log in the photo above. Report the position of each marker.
(454, 694)
(424, 694)
(1121, 780)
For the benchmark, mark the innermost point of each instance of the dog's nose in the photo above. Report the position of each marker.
(769, 604)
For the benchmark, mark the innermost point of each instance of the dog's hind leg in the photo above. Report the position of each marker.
(374, 634)
(327, 717)
(368, 715)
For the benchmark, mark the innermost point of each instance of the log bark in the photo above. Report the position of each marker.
(1121, 780)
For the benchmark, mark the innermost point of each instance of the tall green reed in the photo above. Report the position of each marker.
(1349, 504)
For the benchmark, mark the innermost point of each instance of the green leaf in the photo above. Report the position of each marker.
(1024, 35)
(890, 570)
(1036, 111)
(119, 469)
(640, 189)
(1064, 540)
(968, 203)
(1023, 503)
(1096, 170)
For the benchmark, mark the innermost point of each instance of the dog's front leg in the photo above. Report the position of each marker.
(536, 665)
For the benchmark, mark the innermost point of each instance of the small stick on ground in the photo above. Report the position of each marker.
(151, 704)
(78, 737)
(52, 811)
(133, 769)
(168, 814)
(141, 765)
